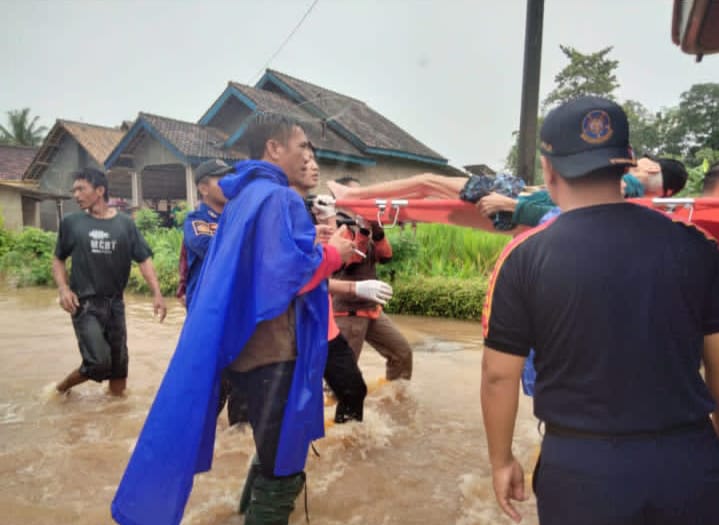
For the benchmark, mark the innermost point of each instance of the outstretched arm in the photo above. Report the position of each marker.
(415, 187)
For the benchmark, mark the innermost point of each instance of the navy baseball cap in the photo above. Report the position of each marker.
(586, 134)
(212, 168)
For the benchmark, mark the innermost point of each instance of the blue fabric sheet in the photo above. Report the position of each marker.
(262, 255)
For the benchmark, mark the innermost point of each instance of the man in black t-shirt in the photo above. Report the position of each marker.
(102, 244)
(622, 307)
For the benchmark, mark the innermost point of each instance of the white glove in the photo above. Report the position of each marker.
(323, 207)
(374, 290)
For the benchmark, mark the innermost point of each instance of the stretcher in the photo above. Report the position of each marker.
(701, 211)
(391, 212)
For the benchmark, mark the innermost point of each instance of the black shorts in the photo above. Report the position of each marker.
(102, 337)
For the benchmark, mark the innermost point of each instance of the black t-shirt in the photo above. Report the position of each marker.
(616, 300)
(102, 251)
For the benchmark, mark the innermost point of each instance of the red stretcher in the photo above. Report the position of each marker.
(701, 211)
(391, 212)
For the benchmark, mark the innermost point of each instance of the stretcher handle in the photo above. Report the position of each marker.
(672, 202)
(395, 204)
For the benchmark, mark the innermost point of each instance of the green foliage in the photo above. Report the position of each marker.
(6, 238)
(698, 120)
(644, 129)
(166, 245)
(441, 250)
(147, 220)
(439, 297)
(591, 74)
(28, 259)
(180, 213)
(437, 270)
(20, 130)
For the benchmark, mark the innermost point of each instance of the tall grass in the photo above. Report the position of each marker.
(438, 250)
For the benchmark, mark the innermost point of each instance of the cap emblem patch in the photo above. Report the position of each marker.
(596, 127)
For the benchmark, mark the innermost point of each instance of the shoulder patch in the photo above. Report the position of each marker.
(204, 227)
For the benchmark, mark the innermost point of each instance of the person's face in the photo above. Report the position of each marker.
(293, 156)
(211, 192)
(649, 174)
(85, 195)
(310, 174)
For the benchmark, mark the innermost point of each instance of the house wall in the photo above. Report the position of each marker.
(11, 208)
(229, 118)
(57, 178)
(30, 212)
(150, 152)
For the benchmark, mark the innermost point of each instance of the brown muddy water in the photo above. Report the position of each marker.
(419, 457)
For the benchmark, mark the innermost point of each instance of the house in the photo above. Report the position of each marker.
(68, 147)
(153, 163)
(150, 161)
(352, 139)
(19, 200)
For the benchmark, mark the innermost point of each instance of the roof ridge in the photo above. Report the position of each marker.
(274, 71)
(67, 121)
(146, 114)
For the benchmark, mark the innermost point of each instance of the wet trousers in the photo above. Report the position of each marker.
(384, 336)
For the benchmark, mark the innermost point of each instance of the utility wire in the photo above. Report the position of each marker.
(279, 49)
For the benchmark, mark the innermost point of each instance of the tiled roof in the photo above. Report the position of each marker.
(14, 160)
(322, 136)
(98, 141)
(192, 140)
(373, 129)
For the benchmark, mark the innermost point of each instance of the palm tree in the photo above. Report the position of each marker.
(21, 131)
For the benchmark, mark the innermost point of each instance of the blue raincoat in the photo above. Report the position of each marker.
(262, 255)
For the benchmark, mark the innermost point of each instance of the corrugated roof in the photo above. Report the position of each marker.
(14, 160)
(372, 128)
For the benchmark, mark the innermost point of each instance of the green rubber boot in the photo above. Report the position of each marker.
(273, 500)
(247, 489)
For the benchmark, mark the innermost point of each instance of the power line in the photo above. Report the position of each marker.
(279, 49)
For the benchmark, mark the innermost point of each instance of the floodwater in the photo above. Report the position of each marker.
(419, 457)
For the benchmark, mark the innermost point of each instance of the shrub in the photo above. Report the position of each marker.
(439, 297)
(147, 220)
(29, 259)
(165, 244)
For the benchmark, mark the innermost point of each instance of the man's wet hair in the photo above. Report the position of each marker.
(711, 179)
(268, 126)
(346, 180)
(96, 178)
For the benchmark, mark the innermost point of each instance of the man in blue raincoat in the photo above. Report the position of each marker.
(261, 310)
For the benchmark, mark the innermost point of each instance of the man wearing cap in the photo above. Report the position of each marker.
(201, 224)
(622, 307)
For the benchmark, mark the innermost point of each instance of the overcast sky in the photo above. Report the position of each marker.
(447, 71)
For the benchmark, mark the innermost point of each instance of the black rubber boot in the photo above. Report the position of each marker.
(273, 500)
(247, 489)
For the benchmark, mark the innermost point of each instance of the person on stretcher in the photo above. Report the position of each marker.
(504, 202)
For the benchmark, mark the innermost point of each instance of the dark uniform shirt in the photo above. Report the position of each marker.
(616, 299)
(102, 251)
(200, 227)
